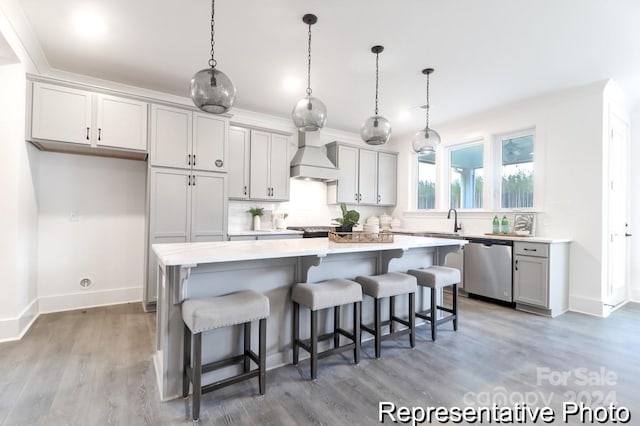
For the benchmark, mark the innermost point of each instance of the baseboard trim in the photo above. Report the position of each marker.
(587, 306)
(12, 329)
(634, 295)
(94, 299)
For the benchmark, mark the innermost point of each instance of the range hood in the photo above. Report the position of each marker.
(310, 161)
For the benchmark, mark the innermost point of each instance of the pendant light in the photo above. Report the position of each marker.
(428, 140)
(376, 130)
(309, 114)
(211, 90)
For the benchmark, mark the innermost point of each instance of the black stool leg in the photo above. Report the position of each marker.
(455, 307)
(356, 331)
(296, 332)
(376, 325)
(392, 313)
(186, 354)
(314, 344)
(262, 355)
(412, 319)
(247, 346)
(434, 314)
(336, 325)
(197, 375)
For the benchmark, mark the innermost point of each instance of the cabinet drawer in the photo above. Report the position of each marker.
(531, 249)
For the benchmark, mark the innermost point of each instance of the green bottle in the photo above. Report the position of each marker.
(496, 225)
(505, 225)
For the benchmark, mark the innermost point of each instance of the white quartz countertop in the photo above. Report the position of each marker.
(548, 240)
(193, 254)
(265, 232)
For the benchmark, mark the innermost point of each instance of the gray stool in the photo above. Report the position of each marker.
(209, 313)
(324, 295)
(436, 278)
(389, 285)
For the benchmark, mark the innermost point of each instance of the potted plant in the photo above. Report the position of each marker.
(348, 220)
(256, 213)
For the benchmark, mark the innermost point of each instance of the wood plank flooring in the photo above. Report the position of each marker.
(94, 367)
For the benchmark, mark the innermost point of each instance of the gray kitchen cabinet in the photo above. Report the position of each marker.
(61, 114)
(268, 166)
(366, 176)
(188, 140)
(540, 277)
(238, 170)
(184, 206)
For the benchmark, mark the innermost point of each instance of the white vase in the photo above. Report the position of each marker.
(256, 223)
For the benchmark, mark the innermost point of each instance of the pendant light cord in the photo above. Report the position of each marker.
(309, 64)
(427, 106)
(212, 61)
(377, 63)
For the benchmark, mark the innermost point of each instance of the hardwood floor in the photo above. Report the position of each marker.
(94, 367)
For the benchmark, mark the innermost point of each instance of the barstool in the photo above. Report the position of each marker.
(208, 313)
(436, 278)
(324, 295)
(389, 285)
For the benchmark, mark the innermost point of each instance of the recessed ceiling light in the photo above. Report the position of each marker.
(291, 84)
(89, 23)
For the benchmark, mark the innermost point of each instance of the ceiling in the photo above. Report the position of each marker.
(485, 53)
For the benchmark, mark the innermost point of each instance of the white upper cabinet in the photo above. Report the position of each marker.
(238, 168)
(260, 187)
(366, 176)
(279, 167)
(68, 115)
(184, 139)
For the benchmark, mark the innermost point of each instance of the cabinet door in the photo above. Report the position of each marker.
(170, 137)
(279, 168)
(348, 177)
(387, 175)
(208, 206)
(170, 201)
(121, 122)
(61, 114)
(259, 165)
(531, 280)
(209, 143)
(368, 177)
(238, 164)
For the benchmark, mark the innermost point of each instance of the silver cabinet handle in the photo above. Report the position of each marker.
(194, 180)
(530, 249)
(189, 159)
(356, 197)
(188, 180)
(245, 190)
(516, 264)
(194, 159)
(99, 133)
(87, 133)
(378, 198)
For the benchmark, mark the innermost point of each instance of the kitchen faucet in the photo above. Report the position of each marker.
(456, 228)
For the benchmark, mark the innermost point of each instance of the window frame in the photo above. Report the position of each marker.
(436, 206)
(496, 158)
(446, 201)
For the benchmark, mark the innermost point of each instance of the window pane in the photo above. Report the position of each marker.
(467, 177)
(517, 172)
(427, 181)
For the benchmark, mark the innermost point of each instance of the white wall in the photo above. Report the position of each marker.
(91, 224)
(569, 148)
(634, 290)
(18, 209)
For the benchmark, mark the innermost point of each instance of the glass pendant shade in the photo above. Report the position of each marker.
(212, 91)
(426, 141)
(309, 114)
(375, 130)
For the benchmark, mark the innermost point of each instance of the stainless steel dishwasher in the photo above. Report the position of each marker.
(488, 268)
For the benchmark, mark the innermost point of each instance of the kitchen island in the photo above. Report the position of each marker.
(271, 267)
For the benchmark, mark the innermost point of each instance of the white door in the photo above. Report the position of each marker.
(61, 114)
(259, 186)
(238, 163)
(208, 207)
(121, 123)
(387, 178)
(209, 143)
(170, 137)
(348, 177)
(279, 168)
(368, 177)
(618, 210)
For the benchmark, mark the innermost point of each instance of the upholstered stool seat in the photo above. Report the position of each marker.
(208, 313)
(389, 285)
(436, 278)
(319, 296)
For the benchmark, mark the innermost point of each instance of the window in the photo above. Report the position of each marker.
(467, 177)
(517, 172)
(427, 181)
